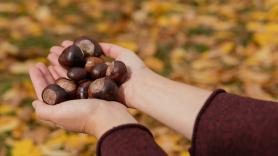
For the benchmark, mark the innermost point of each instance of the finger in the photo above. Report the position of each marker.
(55, 113)
(61, 71)
(53, 58)
(112, 50)
(66, 43)
(46, 74)
(47, 123)
(38, 80)
(53, 72)
(44, 111)
(56, 50)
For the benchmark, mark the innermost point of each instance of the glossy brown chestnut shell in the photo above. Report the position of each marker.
(117, 71)
(104, 88)
(77, 74)
(99, 71)
(82, 91)
(68, 85)
(54, 94)
(91, 62)
(89, 46)
(72, 56)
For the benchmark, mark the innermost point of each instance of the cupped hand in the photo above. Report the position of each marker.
(136, 68)
(91, 116)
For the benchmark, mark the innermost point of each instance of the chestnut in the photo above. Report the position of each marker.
(72, 56)
(54, 94)
(82, 90)
(68, 85)
(117, 71)
(89, 46)
(104, 88)
(91, 62)
(99, 71)
(77, 74)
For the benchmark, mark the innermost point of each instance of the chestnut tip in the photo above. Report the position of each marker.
(89, 46)
(104, 88)
(91, 62)
(117, 71)
(68, 85)
(54, 94)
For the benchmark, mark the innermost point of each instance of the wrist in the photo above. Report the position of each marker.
(139, 87)
(157, 96)
(99, 122)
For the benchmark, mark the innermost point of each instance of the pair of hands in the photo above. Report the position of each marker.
(91, 116)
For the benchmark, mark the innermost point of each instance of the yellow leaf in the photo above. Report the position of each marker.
(264, 39)
(158, 7)
(5, 109)
(75, 142)
(254, 26)
(227, 47)
(8, 48)
(128, 44)
(20, 67)
(8, 123)
(273, 12)
(169, 142)
(43, 14)
(169, 21)
(154, 63)
(57, 139)
(272, 27)
(163, 21)
(103, 27)
(63, 28)
(41, 59)
(55, 152)
(185, 153)
(25, 148)
(204, 64)
(177, 56)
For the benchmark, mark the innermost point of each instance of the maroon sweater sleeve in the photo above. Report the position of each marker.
(232, 125)
(128, 140)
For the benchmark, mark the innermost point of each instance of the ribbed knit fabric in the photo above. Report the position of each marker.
(227, 125)
(231, 125)
(128, 140)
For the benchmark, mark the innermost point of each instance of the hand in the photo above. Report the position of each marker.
(90, 116)
(135, 65)
(172, 103)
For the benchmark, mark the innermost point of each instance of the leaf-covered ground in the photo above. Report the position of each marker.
(230, 44)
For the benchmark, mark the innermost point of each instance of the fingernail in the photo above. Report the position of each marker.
(34, 104)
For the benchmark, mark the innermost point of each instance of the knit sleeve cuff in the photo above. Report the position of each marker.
(203, 109)
(118, 129)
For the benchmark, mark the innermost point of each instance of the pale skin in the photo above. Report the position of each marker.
(172, 103)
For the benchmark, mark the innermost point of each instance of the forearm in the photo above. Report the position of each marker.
(174, 104)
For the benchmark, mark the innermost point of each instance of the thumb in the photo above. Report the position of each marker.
(43, 111)
(113, 50)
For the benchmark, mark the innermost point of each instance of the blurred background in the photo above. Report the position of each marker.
(230, 44)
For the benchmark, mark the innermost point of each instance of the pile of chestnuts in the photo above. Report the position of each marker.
(89, 76)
